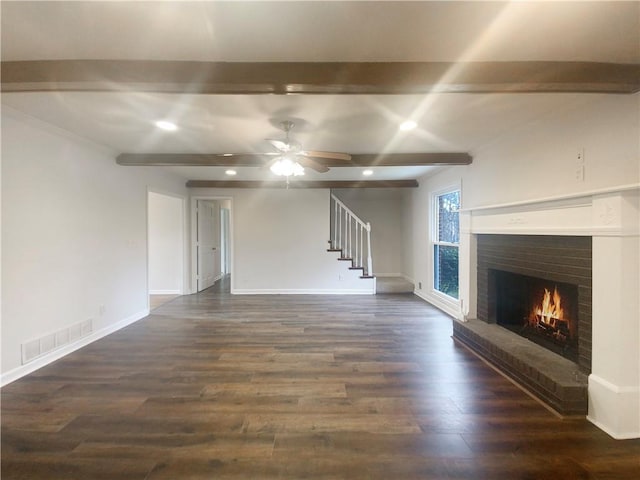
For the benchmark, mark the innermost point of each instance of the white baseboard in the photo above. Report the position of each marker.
(450, 310)
(165, 292)
(614, 409)
(613, 434)
(249, 291)
(22, 370)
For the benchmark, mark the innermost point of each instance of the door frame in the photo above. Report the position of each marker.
(194, 235)
(225, 258)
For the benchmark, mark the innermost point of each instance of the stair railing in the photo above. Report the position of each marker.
(351, 235)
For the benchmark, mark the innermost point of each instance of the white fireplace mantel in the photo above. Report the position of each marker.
(587, 213)
(612, 218)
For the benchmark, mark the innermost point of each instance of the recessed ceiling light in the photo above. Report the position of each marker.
(408, 125)
(165, 125)
(227, 154)
(231, 172)
(367, 173)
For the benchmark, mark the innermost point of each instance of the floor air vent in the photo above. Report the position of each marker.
(47, 343)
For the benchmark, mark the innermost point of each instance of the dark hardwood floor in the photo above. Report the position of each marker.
(291, 387)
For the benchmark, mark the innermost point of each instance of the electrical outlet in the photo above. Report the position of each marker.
(102, 309)
(580, 165)
(419, 285)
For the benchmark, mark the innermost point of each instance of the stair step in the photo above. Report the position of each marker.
(367, 276)
(345, 259)
(334, 250)
(393, 285)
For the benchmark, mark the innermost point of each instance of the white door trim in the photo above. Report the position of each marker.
(194, 235)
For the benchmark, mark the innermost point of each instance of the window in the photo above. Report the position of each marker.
(446, 243)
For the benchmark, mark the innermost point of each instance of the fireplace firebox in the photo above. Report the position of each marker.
(543, 311)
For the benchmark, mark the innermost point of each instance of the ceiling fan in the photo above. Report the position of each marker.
(291, 159)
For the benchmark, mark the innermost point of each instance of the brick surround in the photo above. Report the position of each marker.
(555, 258)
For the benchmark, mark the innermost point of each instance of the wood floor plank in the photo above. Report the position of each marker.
(60, 466)
(315, 389)
(184, 446)
(365, 444)
(330, 422)
(288, 387)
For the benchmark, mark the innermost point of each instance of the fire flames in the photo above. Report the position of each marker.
(548, 316)
(550, 310)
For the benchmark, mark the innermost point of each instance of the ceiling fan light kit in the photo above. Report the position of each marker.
(286, 167)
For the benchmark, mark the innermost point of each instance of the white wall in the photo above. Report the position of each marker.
(166, 243)
(279, 243)
(383, 208)
(539, 160)
(73, 234)
(408, 235)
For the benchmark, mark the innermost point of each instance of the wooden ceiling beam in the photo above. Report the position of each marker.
(317, 77)
(302, 184)
(258, 160)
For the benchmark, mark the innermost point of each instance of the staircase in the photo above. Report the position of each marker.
(351, 238)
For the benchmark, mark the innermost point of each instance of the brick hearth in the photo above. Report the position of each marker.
(548, 376)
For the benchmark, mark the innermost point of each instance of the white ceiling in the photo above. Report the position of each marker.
(309, 31)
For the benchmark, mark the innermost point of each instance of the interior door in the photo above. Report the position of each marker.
(208, 243)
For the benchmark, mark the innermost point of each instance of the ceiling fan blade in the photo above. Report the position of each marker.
(307, 162)
(332, 155)
(285, 146)
(279, 144)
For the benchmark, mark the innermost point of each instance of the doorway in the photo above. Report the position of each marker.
(212, 242)
(165, 247)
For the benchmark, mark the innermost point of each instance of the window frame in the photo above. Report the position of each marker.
(435, 240)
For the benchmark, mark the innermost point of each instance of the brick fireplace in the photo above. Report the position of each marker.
(512, 262)
(583, 252)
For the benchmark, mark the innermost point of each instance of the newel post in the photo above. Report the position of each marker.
(369, 260)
